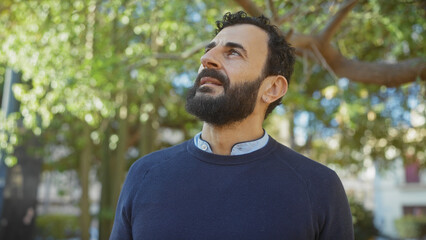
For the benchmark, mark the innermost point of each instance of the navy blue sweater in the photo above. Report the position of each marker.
(272, 193)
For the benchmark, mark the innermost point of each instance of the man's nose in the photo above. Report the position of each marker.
(210, 59)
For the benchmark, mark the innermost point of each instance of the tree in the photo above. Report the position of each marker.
(108, 75)
(317, 45)
(100, 82)
(341, 44)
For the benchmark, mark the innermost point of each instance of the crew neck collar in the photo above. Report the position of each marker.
(231, 159)
(238, 148)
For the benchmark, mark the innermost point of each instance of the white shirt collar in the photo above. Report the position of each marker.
(238, 148)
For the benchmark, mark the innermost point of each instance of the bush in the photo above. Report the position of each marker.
(363, 221)
(57, 226)
(411, 226)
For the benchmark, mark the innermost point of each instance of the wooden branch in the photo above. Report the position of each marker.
(133, 138)
(183, 55)
(172, 56)
(272, 9)
(4, 9)
(323, 62)
(378, 73)
(250, 7)
(288, 16)
(330, 29)
(298, 40)
(139, 63)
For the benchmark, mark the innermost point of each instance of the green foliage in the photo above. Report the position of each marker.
(360, 123)
(102, 65)
(57, 226)
(362, 219)
(114, 65)
(411, 226)
(97, 60)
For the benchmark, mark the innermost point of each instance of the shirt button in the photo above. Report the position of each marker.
(204, 147)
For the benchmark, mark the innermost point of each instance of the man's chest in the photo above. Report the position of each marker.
(234, 208)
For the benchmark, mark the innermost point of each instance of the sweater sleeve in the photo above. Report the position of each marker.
(122, 228)
(337, 217)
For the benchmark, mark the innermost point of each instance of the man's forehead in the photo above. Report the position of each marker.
(244, 34)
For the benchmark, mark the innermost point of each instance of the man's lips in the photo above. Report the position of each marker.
(209, 80)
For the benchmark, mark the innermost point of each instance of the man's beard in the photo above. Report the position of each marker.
(232, 105)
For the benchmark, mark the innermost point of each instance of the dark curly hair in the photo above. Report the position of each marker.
(280, 59)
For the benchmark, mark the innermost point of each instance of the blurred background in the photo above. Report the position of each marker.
(89, 86)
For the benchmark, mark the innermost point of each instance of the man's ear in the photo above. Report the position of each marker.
(276, 87)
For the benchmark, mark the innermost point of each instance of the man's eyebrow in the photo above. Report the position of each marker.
(229, 45)
(210, 45)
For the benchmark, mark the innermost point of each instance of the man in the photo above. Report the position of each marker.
(233, 181)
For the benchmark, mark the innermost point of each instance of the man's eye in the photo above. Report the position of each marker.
(234, 52)
(206, 50)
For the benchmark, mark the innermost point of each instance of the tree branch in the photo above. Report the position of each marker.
(330, 29)
(322, 60)
(250, 7)
(172, 56)
(3, 9)
(288, 16)
(298, 40)
(184, 54)
(379, 73)
(272, 9)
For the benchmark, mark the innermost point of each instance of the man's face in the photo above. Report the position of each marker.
(231, 71)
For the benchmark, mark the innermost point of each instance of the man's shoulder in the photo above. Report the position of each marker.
(141, 167)
(302, 165)
(322, 181)
(158, 157)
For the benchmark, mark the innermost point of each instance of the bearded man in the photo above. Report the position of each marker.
(232, 180)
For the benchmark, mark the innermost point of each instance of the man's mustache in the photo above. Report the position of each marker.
(223, 79)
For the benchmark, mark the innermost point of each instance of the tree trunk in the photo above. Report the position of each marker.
(147, 137)
(119, 165)
(85, 163)
(113, 172)
(106, 213)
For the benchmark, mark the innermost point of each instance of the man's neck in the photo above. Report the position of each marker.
(222, 138)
